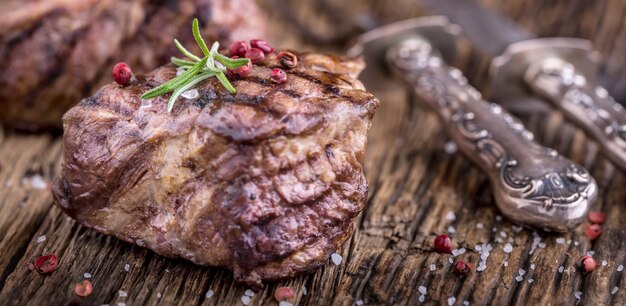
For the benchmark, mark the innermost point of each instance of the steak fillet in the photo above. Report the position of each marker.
(53, 53)
(265, 182)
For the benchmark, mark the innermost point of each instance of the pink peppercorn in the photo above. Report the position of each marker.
(261, 44)
(241, 72)
(443, 244)
(278, 76)
(462, 267)
(122, 73)
(46, 264)
(255, 55)
(284, 294)
(238, 48)
(586, 264)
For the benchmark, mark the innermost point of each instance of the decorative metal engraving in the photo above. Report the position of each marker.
(591, 108)
(532, 184)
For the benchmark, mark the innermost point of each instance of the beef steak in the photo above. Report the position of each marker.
(265, 182)
(53, 53)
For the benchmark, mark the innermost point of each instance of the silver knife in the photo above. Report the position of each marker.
(560, 70)
(532, 184)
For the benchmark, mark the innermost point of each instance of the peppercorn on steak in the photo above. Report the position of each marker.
(56, 52)
(265, 182)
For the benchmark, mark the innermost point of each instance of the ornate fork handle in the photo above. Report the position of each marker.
(532, 184)
(591, 108)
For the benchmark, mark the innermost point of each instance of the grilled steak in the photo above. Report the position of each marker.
(265, 182)
(53, 53)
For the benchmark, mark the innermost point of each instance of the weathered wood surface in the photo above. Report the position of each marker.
(415, 189)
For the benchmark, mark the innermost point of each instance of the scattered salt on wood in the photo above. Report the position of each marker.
(87, 275)
(122, 293)
(578, 294)
(121, 304)
(591, 253)
(41, 239)
(336, 259)
(465, 303)
(508, 248)
(359, 302)
(614, 291)
(506, 263)
(249, 293)
(451, 229)
(159, 295)
(421, 298)
(304, 291)
(126, 267)
(479, 225)
(245, 300)
(191, 94)
(457, 252)
(450, 216)
(604, 263)
(450, 260)
(561, 268)
(521, 272)
(530, 280)
(451, 301)
(422, 290)
(560, 240)
(285, 303)
(209, 294)
(620, 268)
(37, 182)
(516, 229)
(450, 147)
(519, 278)
(498, 218)
(532, 266)
(433, 267)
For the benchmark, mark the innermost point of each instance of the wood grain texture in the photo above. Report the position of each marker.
(415, 189)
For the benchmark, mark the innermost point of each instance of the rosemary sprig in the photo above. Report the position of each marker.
(196, 69)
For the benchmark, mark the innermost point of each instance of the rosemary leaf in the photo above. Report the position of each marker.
(196, 34)
(222, 78)
(193, 82)
(175, 82)
(231, 62)
(181, 62)
(185, 51)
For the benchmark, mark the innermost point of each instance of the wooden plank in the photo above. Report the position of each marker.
(415, 189)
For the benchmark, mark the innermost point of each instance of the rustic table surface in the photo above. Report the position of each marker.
(419, 187)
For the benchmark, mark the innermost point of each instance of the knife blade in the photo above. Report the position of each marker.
(560, 70)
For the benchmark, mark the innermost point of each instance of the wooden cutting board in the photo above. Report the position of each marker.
(419, 188)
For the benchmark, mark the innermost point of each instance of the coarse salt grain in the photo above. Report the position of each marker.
(479, 225)
(591, 253)
(421, 298)
(614, 291)
(541, 245)
(560, 240)
(519, 278)
(450, 260)
(422, 289)
(450, 147)
(516, 229)
(37, 182)
(532, 266)
(506, 263)
(245, 300)
(508, 248)
(620, 268)
(336, 259)
(122, 293)
(433, 267)
(502, 234)
(578, 294)
(191, 94)
(209, 294)
(450, 216)
(159, 295)
(304, 291)
(121, 304)
(521, 272)
(457, 252)
(604, 263)
(466, 303)
(285, 303)
(359, 302)
(87, 275)
(451, 301)
(561, 268)
(481, 268)
(126, 267)
(249, 293)
(179, 71)
(530, 280)
(451, 229)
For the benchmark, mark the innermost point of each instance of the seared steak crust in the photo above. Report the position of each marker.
(265, 182)
(53, 53)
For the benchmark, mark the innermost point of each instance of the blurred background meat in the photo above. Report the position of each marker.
(56, 52)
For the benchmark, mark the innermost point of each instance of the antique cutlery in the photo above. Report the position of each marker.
(532, 184)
